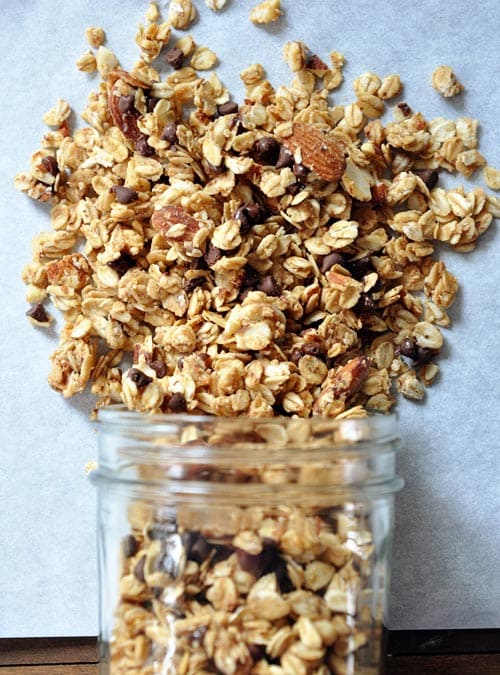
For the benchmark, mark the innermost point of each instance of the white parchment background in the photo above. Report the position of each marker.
(445, 570)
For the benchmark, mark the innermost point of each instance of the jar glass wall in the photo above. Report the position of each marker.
(244, 545)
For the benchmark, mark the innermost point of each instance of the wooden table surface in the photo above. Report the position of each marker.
(78, 656)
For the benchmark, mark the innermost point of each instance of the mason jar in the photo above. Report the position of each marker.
(243, 545)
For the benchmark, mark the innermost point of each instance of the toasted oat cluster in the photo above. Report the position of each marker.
(274, 257)
(272, 592)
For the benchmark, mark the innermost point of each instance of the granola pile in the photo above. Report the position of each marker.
(274, 257)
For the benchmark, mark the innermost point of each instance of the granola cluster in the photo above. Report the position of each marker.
(275, 257)
(270, 591)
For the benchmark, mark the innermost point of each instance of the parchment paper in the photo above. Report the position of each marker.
(447, 542)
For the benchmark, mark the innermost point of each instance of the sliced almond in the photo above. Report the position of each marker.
(174, 223)
(319, 153)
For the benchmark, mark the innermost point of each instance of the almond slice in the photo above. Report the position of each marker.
(319, 153)
(175, 223)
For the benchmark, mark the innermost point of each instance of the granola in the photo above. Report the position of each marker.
(271, 258)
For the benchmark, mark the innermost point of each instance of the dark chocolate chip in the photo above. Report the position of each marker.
(330, 260)
(429, 177)
(266, 150)
(49, 163)
(251, 278)
(196, 546)
(296, 355)
(143, 148)
(227, 108)
(140, 379)
(177, 403)
(159, 367)
(405, 108)
(285, 158)
(130, 546)
(269, 286)
(169, 133)
(221, 553)
(366, 304)
(126, 104)
(408, 348)
(358, 268)
(248, 215)
(295, 188)
(312, 348)
(197, 264)
(152, 101)
(38, 313)
(124, 195)
(300, 171)
(175, 58)
(212, 255)
(193, 283)
(122, 264)
(139, 569)
(423, 355)
(257, 652)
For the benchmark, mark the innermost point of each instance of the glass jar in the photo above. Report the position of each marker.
(243, 545)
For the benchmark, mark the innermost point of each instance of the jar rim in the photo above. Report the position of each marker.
(119, 417)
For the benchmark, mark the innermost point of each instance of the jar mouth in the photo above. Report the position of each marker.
(378, 427)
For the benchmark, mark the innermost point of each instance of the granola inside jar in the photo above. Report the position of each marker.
(244, 545)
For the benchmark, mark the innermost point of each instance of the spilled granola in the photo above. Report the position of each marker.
(245, 257)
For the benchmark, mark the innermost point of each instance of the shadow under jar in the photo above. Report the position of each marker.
(241, 546)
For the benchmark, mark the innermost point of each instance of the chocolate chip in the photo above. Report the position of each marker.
(295, 188)
(124, 195)
(130, 546)
(139, 569)
(193, 283)
(366, 304)
(251, 278)
(49, 163)
(405, 108)
(248, 215)
(140, 379)
(423, 355)
(312, 348)
(159, 367)
(330, 260)
(257, 652)
(126, 104)
(429, 177)
(143, 148)
(38, 313)
(152, 101)
(122, 264)
(358, 268)
(197, 264)
(169, 133)
(177, 403)
(266, 150)
(212, 255)
(175, 58)
(221, 553)
(408, 348)
(227, 108)
(196, 546)
(285, 158)
(300, 171)
(269, 286)
(295, 355)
